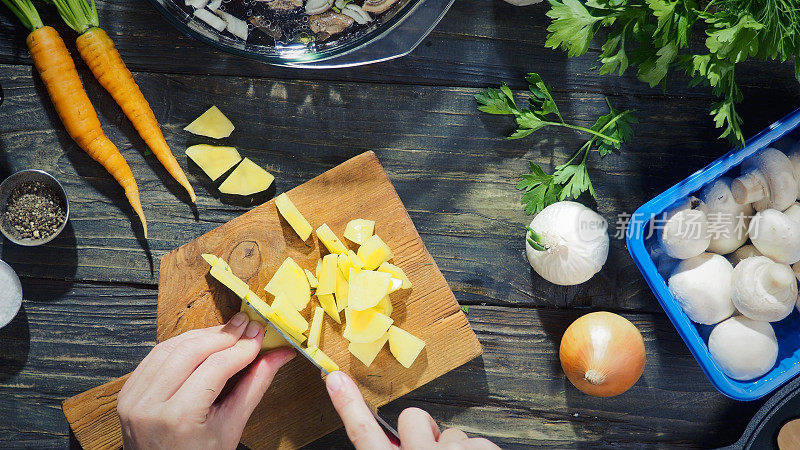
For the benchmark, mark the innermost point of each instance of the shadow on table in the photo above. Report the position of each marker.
(14, 346)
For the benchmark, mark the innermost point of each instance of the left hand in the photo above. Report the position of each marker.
(171, 400)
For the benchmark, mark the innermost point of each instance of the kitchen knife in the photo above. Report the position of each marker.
(390, 431)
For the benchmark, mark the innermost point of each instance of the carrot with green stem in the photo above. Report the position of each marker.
(105, 62)
(57, 69)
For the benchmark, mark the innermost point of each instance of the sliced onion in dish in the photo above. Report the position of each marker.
(197, 4)
(211, 19)
(214, 5)
(358, 14)
(235, 25)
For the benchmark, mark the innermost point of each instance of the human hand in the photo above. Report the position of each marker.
(171, 400)
(416, 427)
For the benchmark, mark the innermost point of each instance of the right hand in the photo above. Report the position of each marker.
(416, 427)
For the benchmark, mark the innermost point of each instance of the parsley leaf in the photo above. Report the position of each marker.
(573, 27)
(495, 101)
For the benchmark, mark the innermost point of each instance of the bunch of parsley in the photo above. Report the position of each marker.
(571, 179)
(654, 37)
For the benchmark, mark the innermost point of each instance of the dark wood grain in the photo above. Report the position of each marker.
(73, 336)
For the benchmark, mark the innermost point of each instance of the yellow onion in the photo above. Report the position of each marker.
(602, 354)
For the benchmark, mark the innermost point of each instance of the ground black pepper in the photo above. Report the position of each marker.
(33, 211)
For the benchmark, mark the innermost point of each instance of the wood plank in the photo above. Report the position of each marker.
(476, 44)
(450, 165)
(70, 337)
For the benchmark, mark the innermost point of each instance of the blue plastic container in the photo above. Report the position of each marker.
(695, 335)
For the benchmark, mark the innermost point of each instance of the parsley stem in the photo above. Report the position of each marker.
(585, 130)
(536, 240)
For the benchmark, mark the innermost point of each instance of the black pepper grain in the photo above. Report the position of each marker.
(33, 211)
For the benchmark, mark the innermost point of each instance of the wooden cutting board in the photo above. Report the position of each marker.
(296, 410)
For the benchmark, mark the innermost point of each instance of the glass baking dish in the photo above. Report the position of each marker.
(397, 33)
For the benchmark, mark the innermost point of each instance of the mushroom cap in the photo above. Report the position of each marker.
(377, 6)
(728, 220)
(743, 348)
(774, 168)
(577, 243)
(763, 289)
(684, 234)
(703, 286)
(776, 235)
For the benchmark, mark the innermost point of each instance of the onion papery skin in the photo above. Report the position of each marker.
(602, 354)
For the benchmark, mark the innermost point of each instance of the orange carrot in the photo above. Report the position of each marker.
(103, 59)
(55, 66)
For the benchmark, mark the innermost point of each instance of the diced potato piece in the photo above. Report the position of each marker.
(322, 359)
(327, 275)
(211, 123)
(312, 279)
(366, 352)
(359, 230)
(211, 259)
(292, 215)
(248, 178)
(213, 160)
(290, 281)
(332, 243)
(272, 339)
(367, 288)
(355, 261)
(316, 327)
(396, 285)
(365, 326)
(384, 306)
(231, 281)
(396, 273)
(319, 268)
(344, 265)
(278, 321)
(404, 346)
(329, 305)
(283, 307)
(342, 291)
(374, 252)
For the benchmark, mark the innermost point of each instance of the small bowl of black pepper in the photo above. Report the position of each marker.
(34, 208)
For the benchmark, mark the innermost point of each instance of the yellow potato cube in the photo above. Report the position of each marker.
(367, 288)
(332, 243)
(384, 306)
(355, 261)
(404, 346)
(312, 280)
(365, 326)
(359, 230)
(210, 258)
(214, 161)
(292, 215)
(374, 252)
(329, 305)
(316, 327)
(211, 123)
(258, 304)
(319, 268)
(342, 291)
(276, 320)
(284, 308)
(322, 359)
(366, 352)
(344, 265)
(327, 275)
(396, 273)
(290, 281)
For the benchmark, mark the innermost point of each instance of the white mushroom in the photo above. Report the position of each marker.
(684, 231)
(767, 181)
(318, 6)
(776, 235)
(377, 6)
(727, 219)
(763, 289)
(703, 286)
(742, 253)
(743, 348)
(793, 212)
(328, 23)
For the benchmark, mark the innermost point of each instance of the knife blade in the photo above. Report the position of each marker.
(391, 432)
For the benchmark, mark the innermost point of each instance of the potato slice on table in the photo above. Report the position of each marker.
(366, 352)
(213, 160)
(248, 178)
(374, 252)
(211, 123)
(359, 230)
(404, 346)
(396, 273)
(316, 327)
(290, 281)
(367, 288)
(292, 215)
(365, 326)
(328, 237)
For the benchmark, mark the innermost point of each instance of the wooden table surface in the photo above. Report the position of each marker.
(90, 296)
